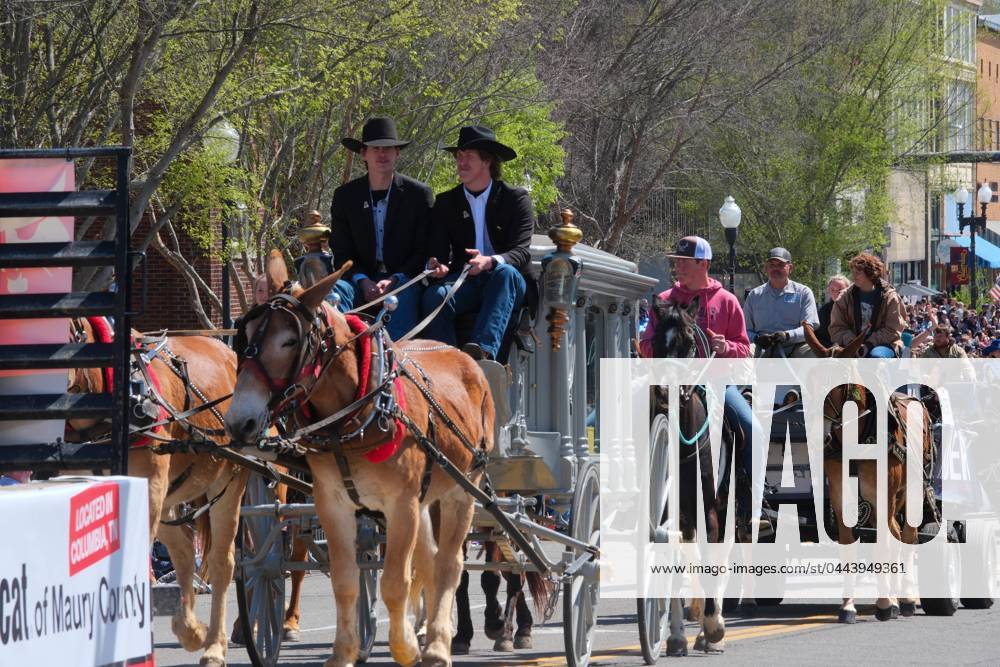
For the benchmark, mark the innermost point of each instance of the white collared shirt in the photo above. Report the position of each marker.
(478, 206)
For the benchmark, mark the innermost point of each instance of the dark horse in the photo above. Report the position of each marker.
(677, 335)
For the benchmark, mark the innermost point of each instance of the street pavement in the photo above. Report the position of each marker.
(802, 633)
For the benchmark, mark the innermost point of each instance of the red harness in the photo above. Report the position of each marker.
(103, 333)
(388, 449)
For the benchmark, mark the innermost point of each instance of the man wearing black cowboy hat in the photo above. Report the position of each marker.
(380, 223)
(487, 224)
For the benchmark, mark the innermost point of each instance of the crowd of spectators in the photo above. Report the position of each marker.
(970, 330)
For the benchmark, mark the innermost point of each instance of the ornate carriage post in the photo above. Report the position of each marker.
(560, 279)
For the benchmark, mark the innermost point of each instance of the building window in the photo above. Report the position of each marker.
(993, 187)
(959, 32)
(960, 116)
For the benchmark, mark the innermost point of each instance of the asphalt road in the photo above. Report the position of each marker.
(790, 634)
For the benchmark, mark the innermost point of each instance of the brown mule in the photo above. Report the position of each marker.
(184, 477)
(295, 331)
(886, 608)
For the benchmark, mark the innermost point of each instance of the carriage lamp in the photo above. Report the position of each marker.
(561, 276)
(730, 216)
(984, 195)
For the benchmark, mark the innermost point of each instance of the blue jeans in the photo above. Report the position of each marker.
(881, 352)
(402, 319)
(495, 294)
(737, 409)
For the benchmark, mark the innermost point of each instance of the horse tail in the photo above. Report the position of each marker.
(539, 586)
(541, 590)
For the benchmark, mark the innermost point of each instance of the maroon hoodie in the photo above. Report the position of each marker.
(719, 312)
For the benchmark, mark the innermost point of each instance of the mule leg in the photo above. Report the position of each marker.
(423, 574)
(677, 641)
(341, 528)
(493, 623)
(300, 552)
(456, 518)
(190, 632)
(713, 627)
(155, 468)
(402, 524)
(225, 517)
(525, 621)
(462, 641)
(834, 473)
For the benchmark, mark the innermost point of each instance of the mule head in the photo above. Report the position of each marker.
(674, 334)
(278, 342)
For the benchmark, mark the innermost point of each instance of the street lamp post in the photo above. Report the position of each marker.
(984, 195)
(730, 215)
(224, 140)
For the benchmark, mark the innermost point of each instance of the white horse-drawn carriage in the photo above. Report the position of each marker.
(546, 449)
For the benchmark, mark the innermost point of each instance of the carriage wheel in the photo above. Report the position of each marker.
(581, 593)
(368, 592)
(260, 589)
(982, 537)
(653, 618)
(944, 606)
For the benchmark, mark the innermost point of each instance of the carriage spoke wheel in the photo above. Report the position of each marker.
(652, 612)
(581, 593)
(368, 592)
(260, 588)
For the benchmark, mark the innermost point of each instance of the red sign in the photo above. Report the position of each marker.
(94, 526)
(958, 270)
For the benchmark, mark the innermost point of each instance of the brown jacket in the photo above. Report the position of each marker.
(888, 319)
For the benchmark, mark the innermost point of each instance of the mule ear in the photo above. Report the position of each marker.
(313, 297)
(277, 272)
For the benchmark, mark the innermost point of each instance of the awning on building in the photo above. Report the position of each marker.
(989, 254)
(914, 290)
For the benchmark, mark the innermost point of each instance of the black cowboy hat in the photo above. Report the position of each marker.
(377, 131)
(482, 138)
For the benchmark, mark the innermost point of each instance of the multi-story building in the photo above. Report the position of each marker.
(988, 136)
(925, 207)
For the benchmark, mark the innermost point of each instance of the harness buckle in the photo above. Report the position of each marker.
(383, 421)
(251, 351)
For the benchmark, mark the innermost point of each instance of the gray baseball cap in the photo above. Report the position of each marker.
(780, 253)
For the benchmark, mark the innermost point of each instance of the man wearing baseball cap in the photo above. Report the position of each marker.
(774, 311)
(720, 317)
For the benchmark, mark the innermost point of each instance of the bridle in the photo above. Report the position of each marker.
(318, 349)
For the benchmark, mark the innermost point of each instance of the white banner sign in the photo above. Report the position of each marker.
(74, 573)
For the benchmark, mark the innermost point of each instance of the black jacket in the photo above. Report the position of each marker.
(823, 331)
(406, 227)
(509, 222)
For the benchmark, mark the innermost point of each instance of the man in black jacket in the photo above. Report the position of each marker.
(487, 224)
(380, 223)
